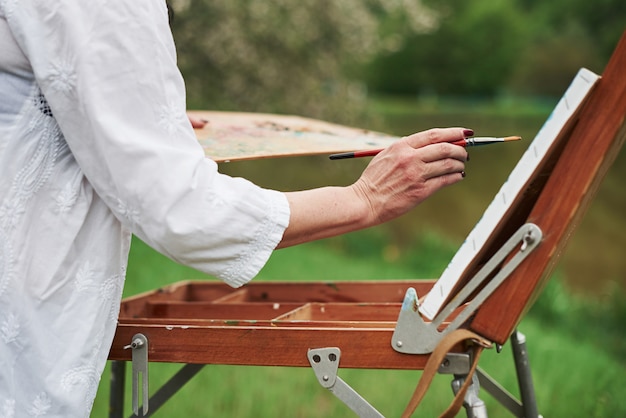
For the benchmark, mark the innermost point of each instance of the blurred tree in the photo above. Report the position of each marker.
(320, 57)
(602, 21)
(471, 52)
(482, 47)
(566, 35)
(284, 55)
(549, 63)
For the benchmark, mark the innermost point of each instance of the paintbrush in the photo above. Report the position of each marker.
(466, 142)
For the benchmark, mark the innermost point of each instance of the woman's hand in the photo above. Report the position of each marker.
(196, 122)
(411, 170)
(395, 181)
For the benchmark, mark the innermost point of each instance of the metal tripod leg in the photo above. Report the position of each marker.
(459, 365)
(527, 407)
(116, 397)
(524, 376)
(474, 406)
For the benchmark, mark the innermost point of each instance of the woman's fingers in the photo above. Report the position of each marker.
(442, 167)
(439, 156)
(196, 122)
(440, 151)
(441, 159)
(411, 170)
(435, 135)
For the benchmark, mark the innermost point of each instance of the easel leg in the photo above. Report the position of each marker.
(524, 376)
(527, 408)
(116, 396)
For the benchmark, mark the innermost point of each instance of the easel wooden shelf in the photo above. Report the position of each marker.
(211, 323)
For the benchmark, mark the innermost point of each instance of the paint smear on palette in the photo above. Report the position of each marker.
(234, 136)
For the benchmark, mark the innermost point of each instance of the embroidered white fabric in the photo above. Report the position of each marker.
(95, 145)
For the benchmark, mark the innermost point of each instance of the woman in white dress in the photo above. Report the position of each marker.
(95, 146)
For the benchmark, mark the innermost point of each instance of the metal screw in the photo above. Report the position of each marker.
(527, 240)
(399, 343)
(325, 378)
(137, 342)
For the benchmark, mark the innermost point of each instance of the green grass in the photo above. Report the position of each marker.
(575, 372)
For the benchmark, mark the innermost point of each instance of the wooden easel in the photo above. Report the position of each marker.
(278, 324)
(561, 194)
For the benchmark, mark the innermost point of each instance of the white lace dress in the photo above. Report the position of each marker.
(95, 145)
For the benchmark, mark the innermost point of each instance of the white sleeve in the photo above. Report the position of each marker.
(108, 71)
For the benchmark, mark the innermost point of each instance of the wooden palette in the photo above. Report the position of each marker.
(235, 136)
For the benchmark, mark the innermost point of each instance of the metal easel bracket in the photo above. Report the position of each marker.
(325, 364)
(413, 335)
(139, 347)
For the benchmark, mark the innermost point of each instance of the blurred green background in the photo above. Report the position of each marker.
(496, 66)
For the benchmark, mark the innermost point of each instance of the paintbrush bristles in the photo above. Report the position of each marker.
(475, 141)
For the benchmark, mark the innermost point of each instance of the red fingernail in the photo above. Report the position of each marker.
(468, 132)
